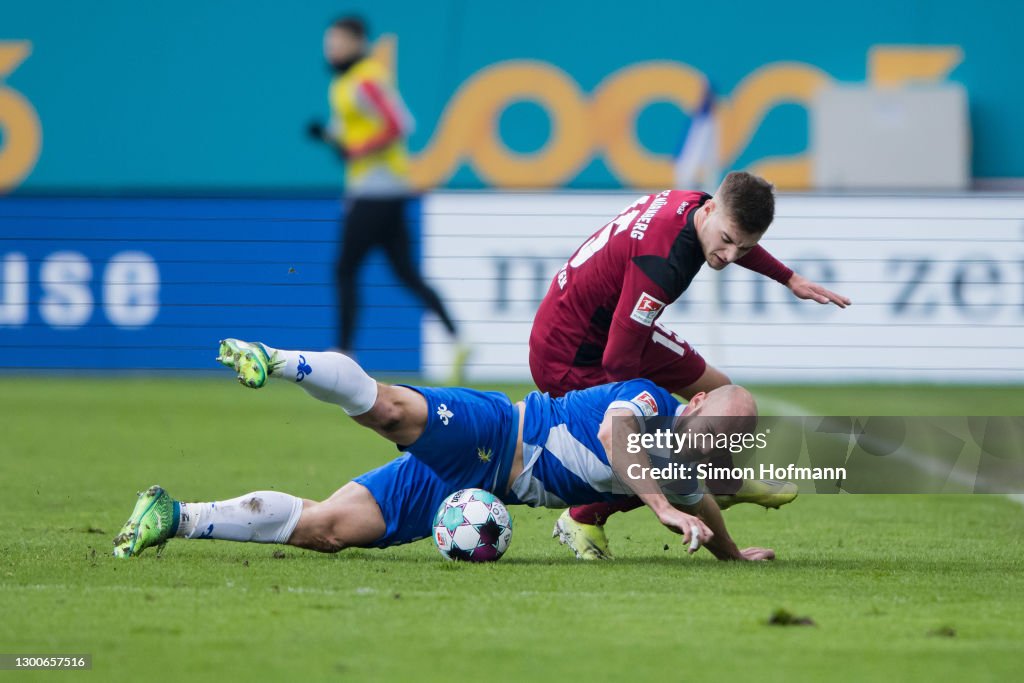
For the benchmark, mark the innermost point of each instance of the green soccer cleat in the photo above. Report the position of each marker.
(587, 541)
(250, 360)
(150, 524)
(764, 492)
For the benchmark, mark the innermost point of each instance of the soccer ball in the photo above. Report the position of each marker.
(472, 525)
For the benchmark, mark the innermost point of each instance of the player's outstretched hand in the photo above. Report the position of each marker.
(695, 532)
(805, 289)
(757, 554)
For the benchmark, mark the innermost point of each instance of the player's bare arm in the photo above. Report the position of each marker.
(724, 242)
(615, 441)
(721, 544)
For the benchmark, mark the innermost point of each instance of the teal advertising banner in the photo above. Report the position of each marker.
(185, 96)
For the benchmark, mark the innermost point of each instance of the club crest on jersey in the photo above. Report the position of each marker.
(647, 309)
(444, 414)
(647, 404)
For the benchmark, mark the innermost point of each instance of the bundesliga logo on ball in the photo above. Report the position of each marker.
(472, 525)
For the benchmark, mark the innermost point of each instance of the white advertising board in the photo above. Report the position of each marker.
(937, 284)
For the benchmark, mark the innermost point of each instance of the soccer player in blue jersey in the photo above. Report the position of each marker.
(540, 452)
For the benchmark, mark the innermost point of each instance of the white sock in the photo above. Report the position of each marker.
(330, 377)
(258, 517)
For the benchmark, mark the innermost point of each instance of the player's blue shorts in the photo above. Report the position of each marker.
(408, 494)
(469, 442)
(470, 437)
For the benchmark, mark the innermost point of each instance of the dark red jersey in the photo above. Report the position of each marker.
(602, 304)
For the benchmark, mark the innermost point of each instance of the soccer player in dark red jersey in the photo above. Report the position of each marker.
(598, 321)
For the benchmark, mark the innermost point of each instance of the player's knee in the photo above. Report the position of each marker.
(321, 528)
(386, 416)
(331, 541)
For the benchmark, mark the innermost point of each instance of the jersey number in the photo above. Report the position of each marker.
(620, 224)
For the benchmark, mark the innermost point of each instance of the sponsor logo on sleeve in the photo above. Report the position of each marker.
(647, 404)
(647, 309)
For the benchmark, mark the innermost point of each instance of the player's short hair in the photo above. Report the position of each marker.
(749, 200)
(352, 24)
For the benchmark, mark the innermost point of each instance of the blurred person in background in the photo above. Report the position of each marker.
(368, 129)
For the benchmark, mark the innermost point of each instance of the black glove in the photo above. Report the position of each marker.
(316, 131)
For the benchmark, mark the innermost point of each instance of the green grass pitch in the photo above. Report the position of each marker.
(881, 576)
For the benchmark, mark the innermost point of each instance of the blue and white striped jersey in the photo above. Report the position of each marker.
(563, 460)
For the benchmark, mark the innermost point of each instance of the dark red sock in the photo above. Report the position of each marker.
(598, 513)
